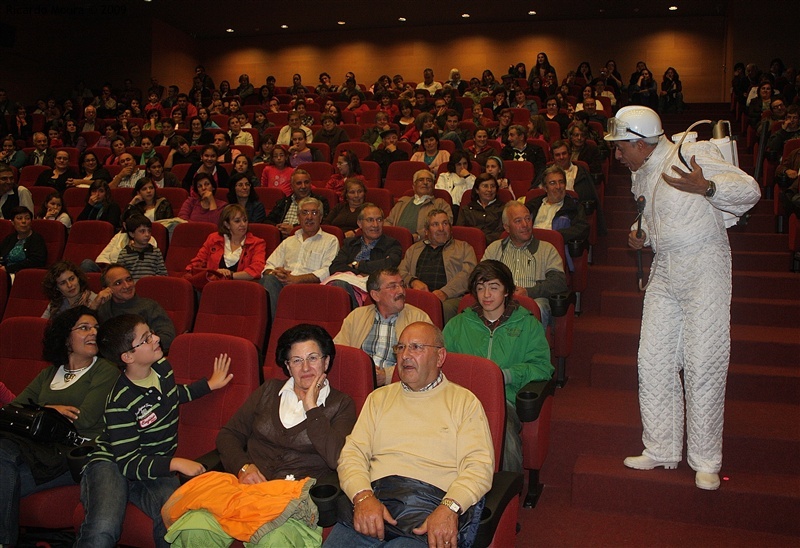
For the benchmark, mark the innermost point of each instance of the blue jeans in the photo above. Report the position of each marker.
(344, 536)
(16, 481)
(274, 287)
(105, 493)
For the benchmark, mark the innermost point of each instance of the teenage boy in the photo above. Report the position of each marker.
(140, 257)
(135, 458)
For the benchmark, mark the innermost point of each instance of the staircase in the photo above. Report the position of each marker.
(590, 498)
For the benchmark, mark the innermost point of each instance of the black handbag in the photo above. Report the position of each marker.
(41, 424)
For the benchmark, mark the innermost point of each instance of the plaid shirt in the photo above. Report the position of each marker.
(380, 340)
(430, 267)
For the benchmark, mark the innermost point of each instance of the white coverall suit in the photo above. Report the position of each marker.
(686, 319)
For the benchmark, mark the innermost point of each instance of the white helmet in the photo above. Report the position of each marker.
(634, 122)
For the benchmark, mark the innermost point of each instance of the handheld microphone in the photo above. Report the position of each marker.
(640, 203)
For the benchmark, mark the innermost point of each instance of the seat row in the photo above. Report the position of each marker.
(199, 423)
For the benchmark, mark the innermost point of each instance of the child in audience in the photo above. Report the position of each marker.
(134, 459)
(111, 252)
(140, 257)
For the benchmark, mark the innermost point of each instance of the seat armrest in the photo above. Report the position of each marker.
(505, 486)
(531, 398)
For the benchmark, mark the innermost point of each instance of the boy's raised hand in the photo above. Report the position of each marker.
(220, 377)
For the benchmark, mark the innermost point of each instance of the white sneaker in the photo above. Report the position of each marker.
(704, 480)
(643, 462)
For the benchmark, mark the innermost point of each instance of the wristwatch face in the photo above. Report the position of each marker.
(453, 505)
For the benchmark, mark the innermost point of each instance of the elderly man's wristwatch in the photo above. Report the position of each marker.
(452, 505)
(711, 190)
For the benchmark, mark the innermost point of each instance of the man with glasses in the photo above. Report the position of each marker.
(410, 211)
(302, 258)
(420, 457)
(375, 328)
(537, 267)
(362, 255)
(11, 194)
(285, 215)
(689, 195)
(120, 286)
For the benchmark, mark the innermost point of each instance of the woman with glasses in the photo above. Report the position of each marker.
(90, 170)
(76, 385)
(497, 327)
(296, 426)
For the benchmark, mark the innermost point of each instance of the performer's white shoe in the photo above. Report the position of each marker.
(704, 480)
(643, 462)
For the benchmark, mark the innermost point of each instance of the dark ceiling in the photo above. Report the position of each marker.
(203, 19)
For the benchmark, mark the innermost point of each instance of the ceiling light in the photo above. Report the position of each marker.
(402, 19)
(465, 15)
(228, 30)
(284, 26)
(531, 12)
(673, 8)
(340, 22)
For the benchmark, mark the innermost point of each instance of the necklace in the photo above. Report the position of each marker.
(70, 374)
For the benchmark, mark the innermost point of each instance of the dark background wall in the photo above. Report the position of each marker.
(45, 52)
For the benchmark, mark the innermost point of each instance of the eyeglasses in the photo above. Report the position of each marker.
(309, 213)
(414, 348)
(85, 327)
(312, 360)
(393, 286)
(148, 338)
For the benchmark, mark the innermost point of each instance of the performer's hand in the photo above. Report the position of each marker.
(368, 517)
(634, 242)
(688, 181)
(441, 527)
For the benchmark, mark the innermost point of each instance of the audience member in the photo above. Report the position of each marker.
(519, 250)
(100, 206)
(484, 211)
(140, 257)
(304, 257)
(124, 300)
(410, 211)
(11, 194)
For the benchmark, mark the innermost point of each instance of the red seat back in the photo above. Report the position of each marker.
(176, 297)
(55, 236)
(473, 236)
(86, 240)
(21, 351)
(428, 303)
(192, 357)
(187, 239)
(317, 304)
(234, 307)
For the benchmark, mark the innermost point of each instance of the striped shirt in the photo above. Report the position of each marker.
(522, 264)
(141, 433)
(144, 262)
